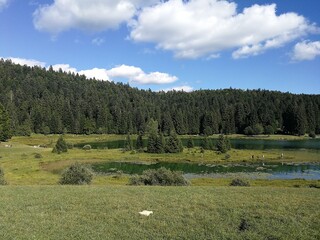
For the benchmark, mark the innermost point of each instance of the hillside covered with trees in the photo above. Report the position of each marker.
(44, 101)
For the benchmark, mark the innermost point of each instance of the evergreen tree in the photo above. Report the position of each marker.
(223, 144)
(139, 142)
(128, 143)
(61, 146)
(190, 143)
(173, 144)
(5, 131)
(152, 143)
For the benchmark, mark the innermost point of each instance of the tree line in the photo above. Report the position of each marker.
(39, 100)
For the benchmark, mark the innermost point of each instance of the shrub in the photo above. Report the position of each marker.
(248, 131)
(2, 180)
(37, 155)
(239, 182)
(160, 177)
(86, 147)
(312, 135)
(76, 174)
(223, 144)
(269, 130)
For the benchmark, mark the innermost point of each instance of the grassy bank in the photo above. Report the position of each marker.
(91, 212)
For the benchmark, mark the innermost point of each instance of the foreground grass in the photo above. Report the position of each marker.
(92, 212)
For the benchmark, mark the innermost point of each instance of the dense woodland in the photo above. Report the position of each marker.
(45, 101)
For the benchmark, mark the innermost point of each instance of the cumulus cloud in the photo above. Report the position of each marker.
(306, 51)
(3, 4)
(64, 68)
(137, 75)
(131, 73)
(198, 28)
(28, 62)
(184, 88)
(88, 15)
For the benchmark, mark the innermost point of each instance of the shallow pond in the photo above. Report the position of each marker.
(257, 144)
(258, 170)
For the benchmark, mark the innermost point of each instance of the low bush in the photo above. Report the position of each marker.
(76, 174)
(86, 147)
(159, 177)
(312, 135)
(37, 155)
(2, 180)
(239, 182)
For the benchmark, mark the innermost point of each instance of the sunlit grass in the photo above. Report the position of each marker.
(96, 212)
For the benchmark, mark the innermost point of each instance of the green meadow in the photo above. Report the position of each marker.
(110, 212)
(34, 206)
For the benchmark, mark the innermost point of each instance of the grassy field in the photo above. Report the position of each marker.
(26, 164)
(93, 212)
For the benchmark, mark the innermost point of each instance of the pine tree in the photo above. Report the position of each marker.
(5, 131)
(128, 143)
(223, 144)
(190, 143)
(61, 146)
(139, 142)
(173, 144)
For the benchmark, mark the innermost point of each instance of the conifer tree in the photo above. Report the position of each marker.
(139, 142)
(61, 146)
(5, 131)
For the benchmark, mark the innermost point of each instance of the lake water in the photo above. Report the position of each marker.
(257, 144)
(258, 170)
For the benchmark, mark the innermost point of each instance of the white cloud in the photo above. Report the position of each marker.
(88, 15)
(3, 4)
(184, 88)
(64, 68)
(98, 41)
(131, 73)
(97, 73)
(306, 51)
(198, 28)
(137, 75)
(28, 62)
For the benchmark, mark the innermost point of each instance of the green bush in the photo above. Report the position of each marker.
(76, 174)
(160, 177)
(312, 135)
(239, 182)
(2, 180)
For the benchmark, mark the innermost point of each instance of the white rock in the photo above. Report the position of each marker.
(146, 213)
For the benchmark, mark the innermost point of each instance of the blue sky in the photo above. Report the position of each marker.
(174, 44)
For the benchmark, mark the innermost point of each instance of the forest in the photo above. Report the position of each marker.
(39, 100)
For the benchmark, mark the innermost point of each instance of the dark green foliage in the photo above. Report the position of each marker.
(244, 225)
(223, 144)
(41, 101)
(269, 130)
(190, 143)
(153, 141)
(139, 142)
(160, 177)
(2, 179)
(257, 129)
(76, 174)
(5, 131)
(239, 182)
(312, 135)
(61, 146)
(37, 155)
(173, 144)
(248, 131)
